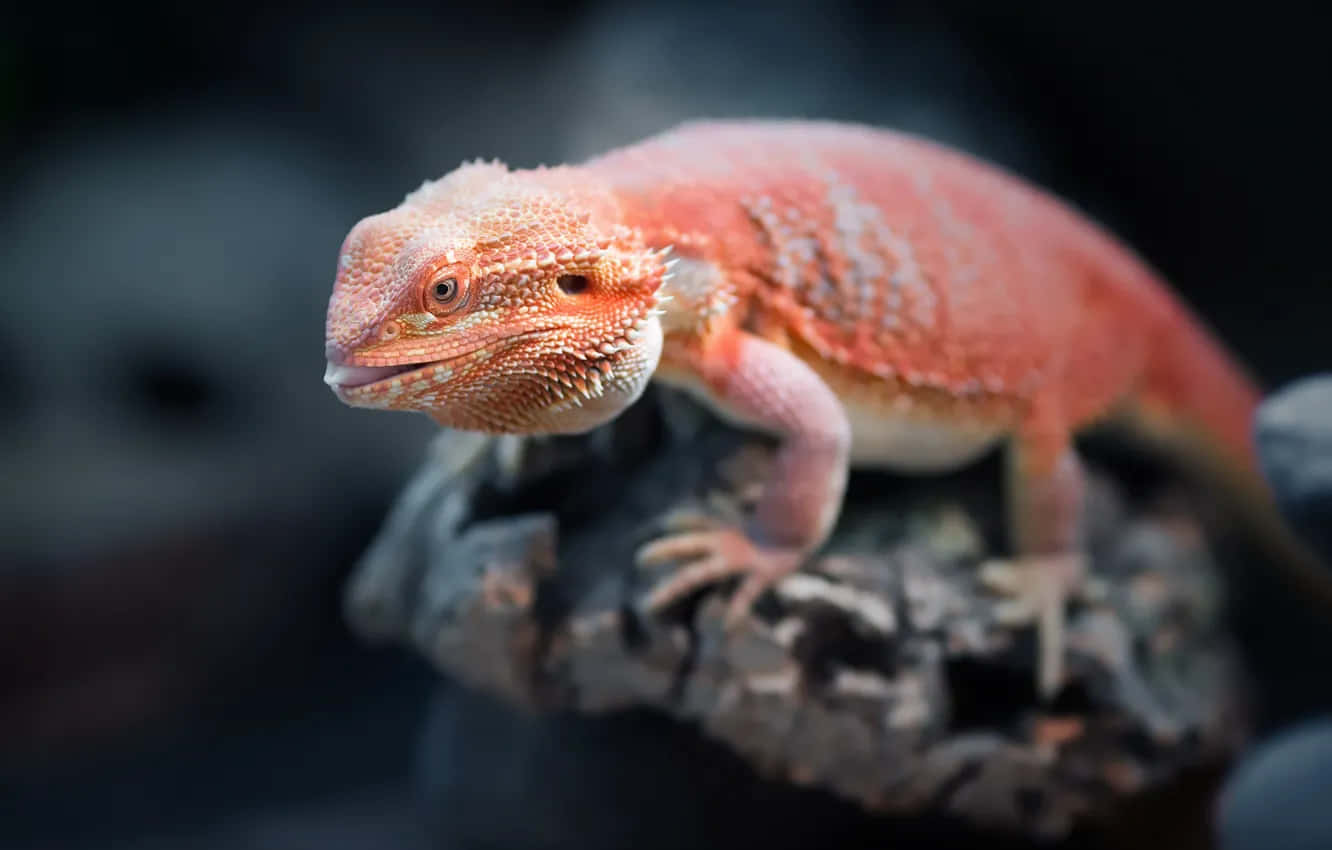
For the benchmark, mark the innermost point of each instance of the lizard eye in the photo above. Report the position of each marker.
(444, 291)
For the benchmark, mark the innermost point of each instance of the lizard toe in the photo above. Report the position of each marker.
(1037, 588)
(714, 556)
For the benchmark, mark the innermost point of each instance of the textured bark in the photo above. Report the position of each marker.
(879, 674)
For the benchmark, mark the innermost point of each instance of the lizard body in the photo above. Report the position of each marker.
(868, 297)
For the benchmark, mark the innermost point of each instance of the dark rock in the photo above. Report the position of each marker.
(1294, 433)
(1281, 796)
(880, 674)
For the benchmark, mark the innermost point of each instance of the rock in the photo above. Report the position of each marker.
(1279, 796)
(880, 674)
(1294, 434)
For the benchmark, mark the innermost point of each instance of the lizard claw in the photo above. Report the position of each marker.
(1038, 587)
(689, 519)
(713, 556)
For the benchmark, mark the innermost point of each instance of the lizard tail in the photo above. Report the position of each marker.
(1199, 405)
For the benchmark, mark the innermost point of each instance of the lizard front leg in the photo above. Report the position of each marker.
(755, 383)
(1046, 496)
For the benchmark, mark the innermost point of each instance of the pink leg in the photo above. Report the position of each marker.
(1046, 494)
(758, 384)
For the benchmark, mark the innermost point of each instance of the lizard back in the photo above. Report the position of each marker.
(903, 264)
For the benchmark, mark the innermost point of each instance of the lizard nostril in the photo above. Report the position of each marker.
(390, 331)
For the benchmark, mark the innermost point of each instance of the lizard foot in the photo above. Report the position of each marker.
(1038, 587)
(718, 553)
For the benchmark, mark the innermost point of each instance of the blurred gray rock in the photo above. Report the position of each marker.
(1281, 795)
(641, 68)
(613, 73)
(165, 290)
(180, 488)
(1294, 433)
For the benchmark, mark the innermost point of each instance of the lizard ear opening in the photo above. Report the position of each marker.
(573, 284)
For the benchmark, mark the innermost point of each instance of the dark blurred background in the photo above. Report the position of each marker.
(180, 497)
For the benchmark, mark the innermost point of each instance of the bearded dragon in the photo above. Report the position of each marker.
(867, 297)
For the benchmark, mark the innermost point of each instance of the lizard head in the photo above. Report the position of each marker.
(498, 301)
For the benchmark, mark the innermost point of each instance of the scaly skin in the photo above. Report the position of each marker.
(868, 297)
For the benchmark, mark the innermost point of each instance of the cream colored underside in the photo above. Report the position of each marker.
(885, 434)
(907, 442)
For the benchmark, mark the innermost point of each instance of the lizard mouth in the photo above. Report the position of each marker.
(360, 381)
(359, 377)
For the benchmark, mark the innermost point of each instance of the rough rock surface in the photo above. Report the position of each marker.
(880, 673)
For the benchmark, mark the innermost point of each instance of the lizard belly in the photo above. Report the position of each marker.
(884, 435)
(901, 441)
